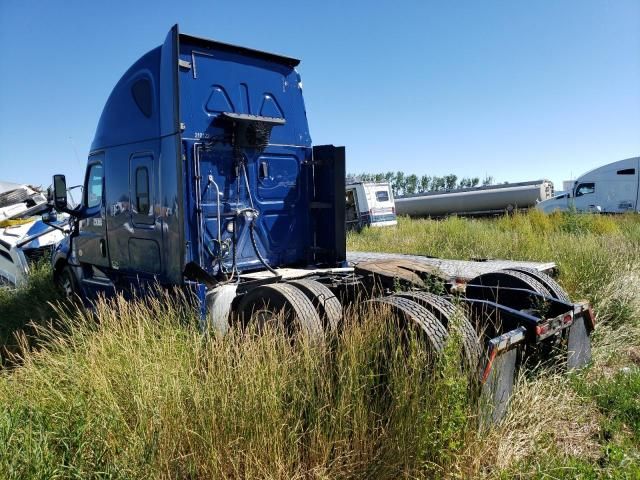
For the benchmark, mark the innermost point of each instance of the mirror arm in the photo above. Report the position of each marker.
(74, 212)
(58, 227)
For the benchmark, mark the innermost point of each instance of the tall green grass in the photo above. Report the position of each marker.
(598, 257)
(22, 307)
(133, 390)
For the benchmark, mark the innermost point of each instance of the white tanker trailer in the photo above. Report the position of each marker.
(489, 200)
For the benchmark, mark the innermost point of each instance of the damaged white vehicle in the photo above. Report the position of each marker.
(27, 231)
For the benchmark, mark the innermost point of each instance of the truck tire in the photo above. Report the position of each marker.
(444, 310)
(510, 279)
(67, 283)
(266, 303)
(549, 283)
(326, 303)
(413, 313)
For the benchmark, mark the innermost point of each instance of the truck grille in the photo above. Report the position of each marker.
(36, 254)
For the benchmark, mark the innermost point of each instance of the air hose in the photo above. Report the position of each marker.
(252, 235)
(240, 166)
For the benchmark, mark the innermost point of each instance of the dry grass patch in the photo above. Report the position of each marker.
(546, 418)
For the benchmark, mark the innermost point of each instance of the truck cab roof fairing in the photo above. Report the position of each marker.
(131, 113)
(159, 68)
(249, 52)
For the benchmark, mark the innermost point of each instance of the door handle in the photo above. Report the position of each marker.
(103, 247)
(264, 170)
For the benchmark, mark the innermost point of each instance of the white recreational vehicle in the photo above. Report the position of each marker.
(369, 203)
(612, 188)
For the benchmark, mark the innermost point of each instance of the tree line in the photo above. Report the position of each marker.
(403, 184)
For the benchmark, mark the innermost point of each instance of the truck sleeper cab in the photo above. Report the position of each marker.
(612, 188)
(202, 161)
(202, 175)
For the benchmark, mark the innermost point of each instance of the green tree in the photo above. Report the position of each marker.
(411, 184)
(407, 184)
(399, 184)
(450, 181)
(488, 180)
(390, 177)
(425, 183)
(437, 184)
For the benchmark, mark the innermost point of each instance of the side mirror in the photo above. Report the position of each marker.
(60, 192)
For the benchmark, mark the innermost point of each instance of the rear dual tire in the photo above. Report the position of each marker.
(578, 346)
(553, 287)
(525, 278)
(447, 313)
(510, 279)
(325, 302)
(281, 305)
(409, 314)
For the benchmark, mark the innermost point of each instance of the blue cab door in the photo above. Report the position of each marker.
(91, 242)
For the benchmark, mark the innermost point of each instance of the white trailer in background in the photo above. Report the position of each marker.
(369, 204)
(489, 200)
(612, 188)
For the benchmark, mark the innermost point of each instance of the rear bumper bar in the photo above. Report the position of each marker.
(575, 325)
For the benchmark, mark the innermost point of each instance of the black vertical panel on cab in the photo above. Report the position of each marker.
(328, 205)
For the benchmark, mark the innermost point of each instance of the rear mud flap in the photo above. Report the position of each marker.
(496, 390)
(578, 345)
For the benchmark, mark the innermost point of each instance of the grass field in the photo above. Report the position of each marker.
(133, 390)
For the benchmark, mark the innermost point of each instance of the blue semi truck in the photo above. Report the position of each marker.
(202, 175)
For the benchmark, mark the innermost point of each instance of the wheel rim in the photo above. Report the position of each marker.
(264, 317)
(282, 305)
(66, 286)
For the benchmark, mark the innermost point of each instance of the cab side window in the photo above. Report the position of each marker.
(93, 190)
(143, 96)
(142, 190)
(585, 189)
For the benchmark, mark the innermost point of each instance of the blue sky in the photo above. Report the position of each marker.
(513, 89)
